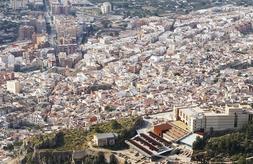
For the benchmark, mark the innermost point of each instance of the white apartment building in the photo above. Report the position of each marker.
(229, 117)
(13, 86)
(106, 8)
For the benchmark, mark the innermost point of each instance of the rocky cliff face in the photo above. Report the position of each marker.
(44, 151)
(51, 157)
(52, 149)
(48, 156)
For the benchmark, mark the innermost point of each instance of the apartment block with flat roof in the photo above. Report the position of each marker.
(229, 117)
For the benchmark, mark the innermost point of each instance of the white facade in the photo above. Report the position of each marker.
(106, 8)
(104, 139)
(232, 117)
(13, 86)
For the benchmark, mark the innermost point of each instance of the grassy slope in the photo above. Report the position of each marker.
(77, 139)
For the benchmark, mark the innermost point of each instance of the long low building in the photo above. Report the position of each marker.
(230, 117)
(150, 145)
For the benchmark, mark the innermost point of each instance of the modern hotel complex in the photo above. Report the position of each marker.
(228, 117)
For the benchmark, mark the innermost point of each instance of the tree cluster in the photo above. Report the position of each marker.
(233, 146)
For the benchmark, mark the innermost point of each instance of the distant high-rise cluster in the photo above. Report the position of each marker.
(59, 8)
(68, 29)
